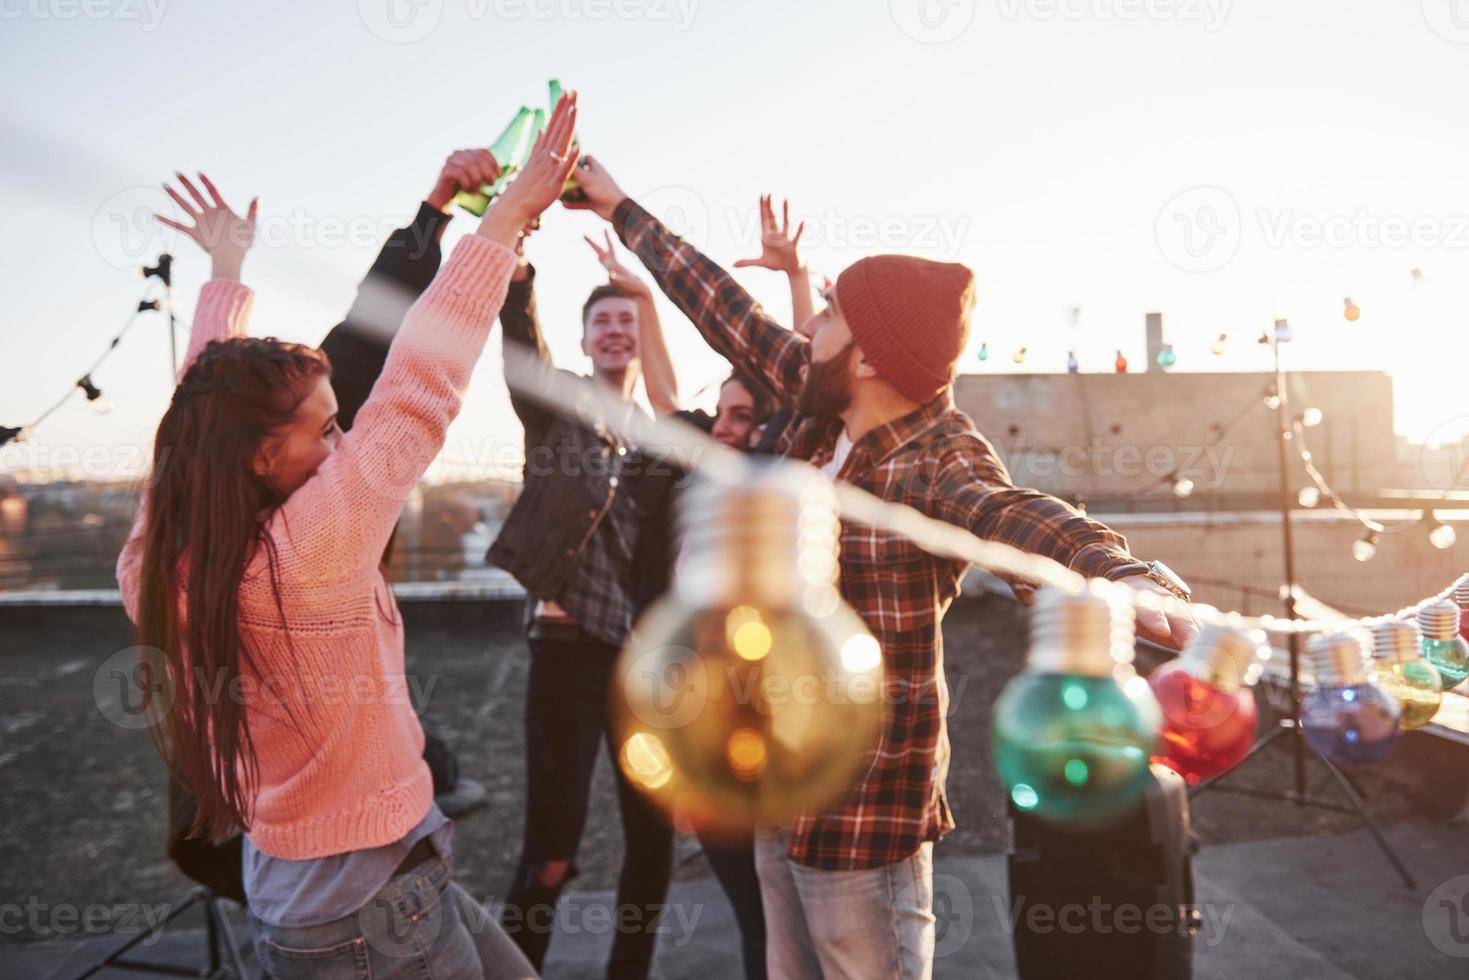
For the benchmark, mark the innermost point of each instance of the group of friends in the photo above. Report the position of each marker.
(280, 471)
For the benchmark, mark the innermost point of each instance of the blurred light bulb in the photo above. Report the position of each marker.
(1365, 548)
(984, 352)
(1442, 536)
(1283, 332)
(1073, 366)
(1442, 645)
(1071, 744)
(1019, 357)
(1311, 417)
(1166, 357)
(1220, 345)
(1346, 717)
(1272, 401)
(1352, 312)
(1399, 669)
(1120, 364)
(1182, 486)
(1209, 713)
(1309, 496)
(751, 693)
(1418, 280)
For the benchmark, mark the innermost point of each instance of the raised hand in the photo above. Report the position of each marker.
(540, 182)
(778, 245)
(602, 195)
(223, 235)
(617, 273)
(465, 170)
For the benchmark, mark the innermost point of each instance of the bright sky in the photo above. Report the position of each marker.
(1059, 147)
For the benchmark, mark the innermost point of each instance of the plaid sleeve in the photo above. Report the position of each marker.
(973, 490)
(728, 317)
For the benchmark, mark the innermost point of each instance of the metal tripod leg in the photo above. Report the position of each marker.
(1346, 787)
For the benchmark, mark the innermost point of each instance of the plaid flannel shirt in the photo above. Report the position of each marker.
(933, 460)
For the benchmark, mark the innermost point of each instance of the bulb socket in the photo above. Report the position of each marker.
(1225, 657)
(1090, 634)
(771, 539)
(1396, 643)
(1337, 659)
(1439, 620)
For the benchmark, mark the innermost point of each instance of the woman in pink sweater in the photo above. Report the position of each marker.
(253, 576)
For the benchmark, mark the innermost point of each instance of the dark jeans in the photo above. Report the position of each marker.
(734, 866)
(565, 722)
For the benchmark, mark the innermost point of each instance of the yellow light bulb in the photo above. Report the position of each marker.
(750, 694)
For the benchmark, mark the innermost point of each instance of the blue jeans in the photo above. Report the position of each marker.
(845, 925)
(420, 924)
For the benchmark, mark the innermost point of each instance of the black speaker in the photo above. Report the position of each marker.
(1115, 903)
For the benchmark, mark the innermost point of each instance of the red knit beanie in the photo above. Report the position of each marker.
(910, 316)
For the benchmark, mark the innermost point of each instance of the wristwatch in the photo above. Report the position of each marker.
(1160, 573)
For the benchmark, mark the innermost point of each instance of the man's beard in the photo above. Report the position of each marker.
(827, 391)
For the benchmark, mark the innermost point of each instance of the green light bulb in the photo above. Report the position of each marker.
(1443, 647)
(1071, 743)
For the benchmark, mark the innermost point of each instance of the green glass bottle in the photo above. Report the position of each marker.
(570, 191)
(1073, 732)
(510, 151)
(1442, 645)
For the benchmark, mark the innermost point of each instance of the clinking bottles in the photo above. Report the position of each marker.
(511, 151)
(751, 693)
(1442, 645)
(1400, 670)
(1346, 717)
(1209, 713)
(1074, 730)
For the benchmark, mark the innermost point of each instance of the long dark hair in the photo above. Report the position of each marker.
(206, 513)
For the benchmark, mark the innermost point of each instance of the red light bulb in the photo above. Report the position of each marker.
(1209, 713)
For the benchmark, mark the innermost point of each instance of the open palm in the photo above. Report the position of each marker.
(216, 228)
(778, 245)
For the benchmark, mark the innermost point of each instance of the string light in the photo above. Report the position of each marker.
(1120, 364)
(1442, 536)
(1309, 496)
(1073, 366)
(526, 375)
(1220, 345)
(1182, 485)
(1311, 417)
(162, 271)
(1019, 357)
(1166, 357)
(1272, 398)
(1418, 280)
(1365, 549)
(1352, 312)
(984, 352)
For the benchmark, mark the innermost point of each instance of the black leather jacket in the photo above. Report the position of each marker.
(573, 475)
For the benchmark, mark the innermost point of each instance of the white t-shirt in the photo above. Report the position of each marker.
(839, 457)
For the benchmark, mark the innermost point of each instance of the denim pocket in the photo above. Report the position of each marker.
(342, 961)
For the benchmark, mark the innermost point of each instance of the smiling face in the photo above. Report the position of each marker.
(610, 335)
(291, 454)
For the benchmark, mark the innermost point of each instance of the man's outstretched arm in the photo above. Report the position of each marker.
(726, 315)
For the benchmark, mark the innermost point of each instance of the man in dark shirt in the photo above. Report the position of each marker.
(571, 540)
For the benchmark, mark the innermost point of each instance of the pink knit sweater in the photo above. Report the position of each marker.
(344, 770)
